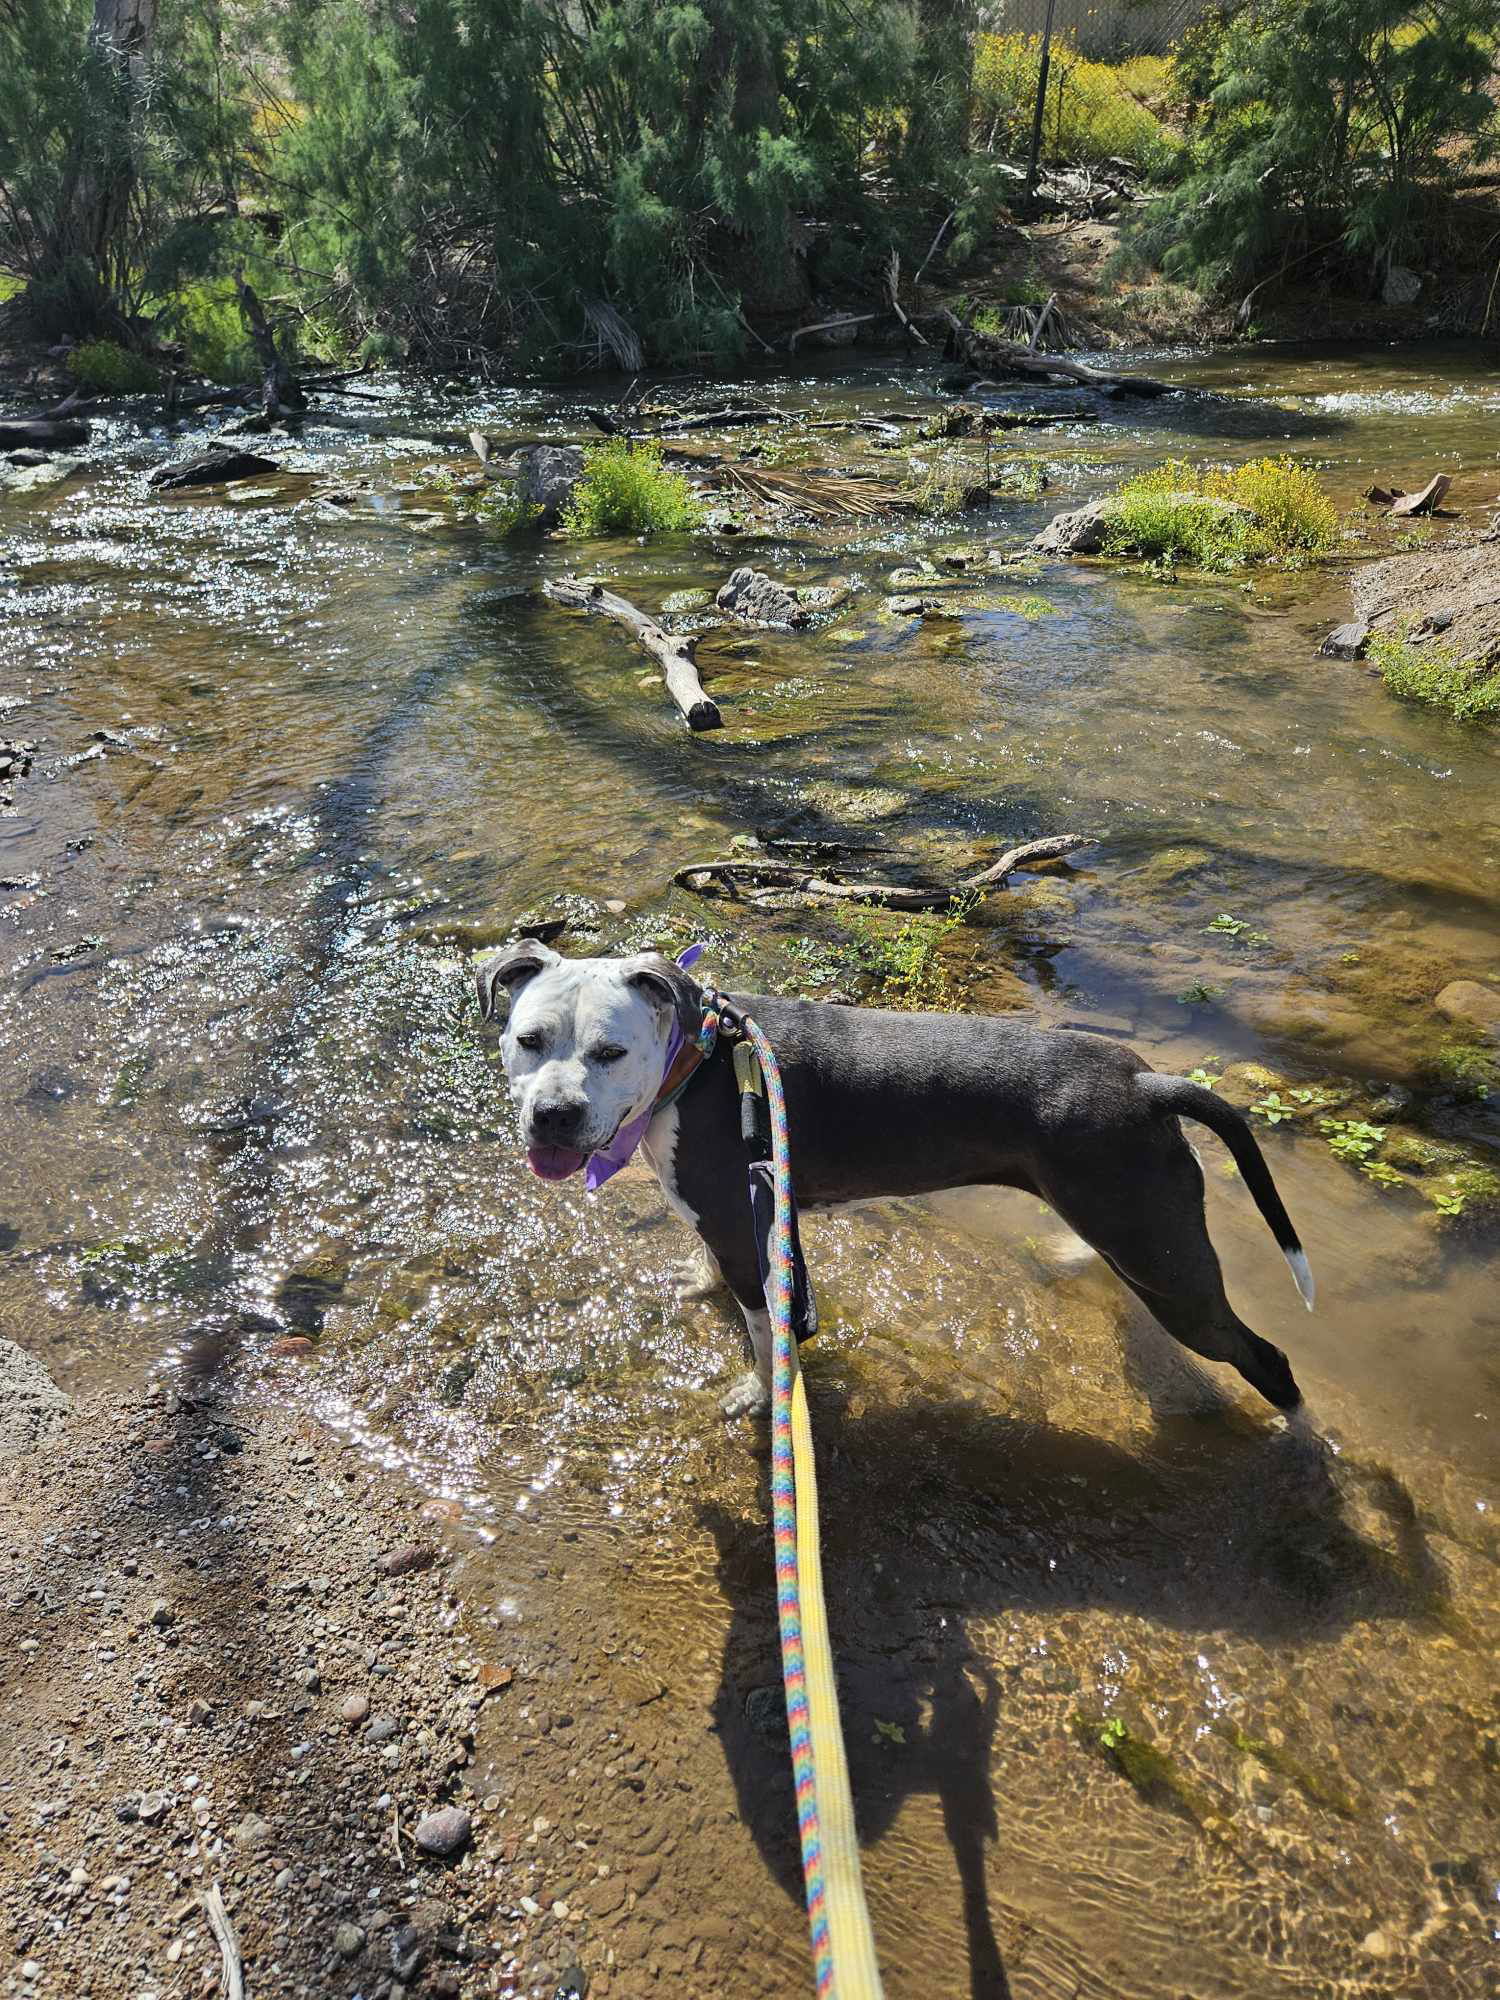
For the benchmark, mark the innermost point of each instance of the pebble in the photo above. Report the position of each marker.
(355, 1707)
(382, 1729)
(310, 1680)
(1375, 1944)
(252, 1832)
(443, 1832)
(348, 1940)
(30, 1969)
(151, 1807)
(162, 1614)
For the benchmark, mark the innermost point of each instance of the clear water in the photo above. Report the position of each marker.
(346, 745)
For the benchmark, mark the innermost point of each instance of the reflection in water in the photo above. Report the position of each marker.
(297, 759)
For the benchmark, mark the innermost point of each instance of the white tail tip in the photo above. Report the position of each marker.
(1302, 1272)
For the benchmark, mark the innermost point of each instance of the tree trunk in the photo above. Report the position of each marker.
(937, 131)
(89, 254)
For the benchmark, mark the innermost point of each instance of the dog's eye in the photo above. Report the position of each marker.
(531, 1041)
(608, 1055)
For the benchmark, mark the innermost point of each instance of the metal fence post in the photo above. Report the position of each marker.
(1033, 164)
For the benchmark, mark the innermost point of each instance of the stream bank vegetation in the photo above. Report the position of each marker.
(1435, 676)
(627, 490)
(473, 187)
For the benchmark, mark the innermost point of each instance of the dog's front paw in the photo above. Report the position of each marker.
(748, 1398)
(698, 1277)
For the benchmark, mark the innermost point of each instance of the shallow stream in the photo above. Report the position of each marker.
(297, 759)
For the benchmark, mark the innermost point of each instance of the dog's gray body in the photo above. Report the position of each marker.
(883, 1104)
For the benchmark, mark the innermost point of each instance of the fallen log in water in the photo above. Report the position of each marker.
(674, 655)
(1004, 357)
(774, 879)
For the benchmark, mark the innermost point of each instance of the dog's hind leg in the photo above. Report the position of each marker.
(1144, 1215)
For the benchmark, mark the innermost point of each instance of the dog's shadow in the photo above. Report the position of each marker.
(936, 1514)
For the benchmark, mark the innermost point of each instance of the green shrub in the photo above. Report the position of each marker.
(1435, 676)
(10, 286)
(1094, 111)
(111, 370)
(1170, 513)
(205, 317)
(626, 490)
(501, 508)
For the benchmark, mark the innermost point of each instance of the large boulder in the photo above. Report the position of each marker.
(1084, 531)
(545, 477)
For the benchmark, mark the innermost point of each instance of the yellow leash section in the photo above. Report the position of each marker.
(843, 1944)
(856, 1972)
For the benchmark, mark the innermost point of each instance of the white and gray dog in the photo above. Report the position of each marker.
(882, 1104)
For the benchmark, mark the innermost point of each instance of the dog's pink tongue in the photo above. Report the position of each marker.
(554, 1163)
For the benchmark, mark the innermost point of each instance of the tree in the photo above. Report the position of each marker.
(1323, 122)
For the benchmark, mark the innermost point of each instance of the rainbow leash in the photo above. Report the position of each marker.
(843, 1945)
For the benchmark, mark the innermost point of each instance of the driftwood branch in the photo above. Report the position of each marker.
(673, 655)
(892, 285)
(231, 1967)
(826, 326)
(1004, 357)
(751, 881)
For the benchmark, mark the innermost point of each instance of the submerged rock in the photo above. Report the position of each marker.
(1347, 642)
(759, 599)
(213, 467)
(1467, 1001)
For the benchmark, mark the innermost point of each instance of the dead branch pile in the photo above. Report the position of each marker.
(826, 496)
(768, 883)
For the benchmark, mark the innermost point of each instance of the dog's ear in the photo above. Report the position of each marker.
(668, 986)
(510, 968)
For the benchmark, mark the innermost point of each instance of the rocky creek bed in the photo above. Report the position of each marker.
(1139, 1700)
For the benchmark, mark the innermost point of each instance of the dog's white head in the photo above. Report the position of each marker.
(585, 1045)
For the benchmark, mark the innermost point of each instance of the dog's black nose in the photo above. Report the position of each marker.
(557, 1121)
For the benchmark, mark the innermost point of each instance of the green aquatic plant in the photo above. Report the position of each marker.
(502, 509)
(111, 370)
(1351, 1139)
(1274, 1108)
(1150, 1771)
(1473, 1069)
(1381, 1174)
(1321, 1787)
(1466, 1188)
(1200, 994)
(1028, 607)
(906, 962)
(1204, 1075)
(1435, 676)
(627, 490)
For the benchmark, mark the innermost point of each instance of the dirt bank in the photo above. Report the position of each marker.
(236, 1654)
(1450, 594)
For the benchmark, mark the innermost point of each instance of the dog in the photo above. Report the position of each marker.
(598, 1053)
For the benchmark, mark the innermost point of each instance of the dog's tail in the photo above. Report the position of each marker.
(1175, 1096)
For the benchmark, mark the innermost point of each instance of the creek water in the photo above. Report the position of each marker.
(297, 759)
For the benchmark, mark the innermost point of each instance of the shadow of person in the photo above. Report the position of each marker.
(937, 1514)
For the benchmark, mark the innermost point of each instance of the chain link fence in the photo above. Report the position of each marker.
(1083, 81)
